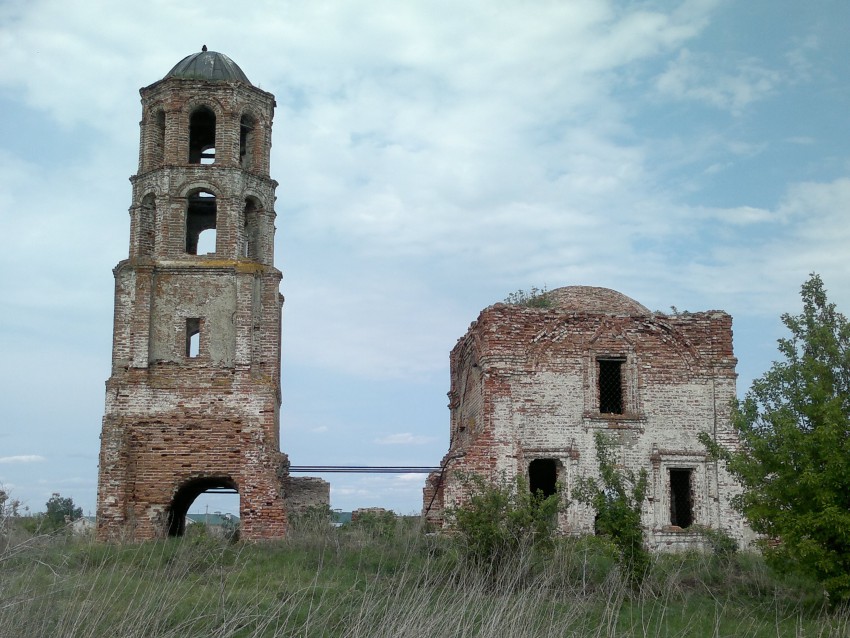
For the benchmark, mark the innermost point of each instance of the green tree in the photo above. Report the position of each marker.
(617, 499)
(58, 508)
(794, 459)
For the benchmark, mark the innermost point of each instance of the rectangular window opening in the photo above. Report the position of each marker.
(543, 476)
(610, 386)
(681, 500)
(193, 338)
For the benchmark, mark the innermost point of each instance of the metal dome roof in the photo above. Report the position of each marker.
(208, 65)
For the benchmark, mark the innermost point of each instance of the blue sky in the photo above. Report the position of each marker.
(432, 158)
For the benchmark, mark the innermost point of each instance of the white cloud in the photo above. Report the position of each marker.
(22, 458)
(404, 438)
(693, 76)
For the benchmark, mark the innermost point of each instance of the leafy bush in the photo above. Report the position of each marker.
(617, 501)
(722, 545)
(532, 298)
(501, 519)
(376, 523)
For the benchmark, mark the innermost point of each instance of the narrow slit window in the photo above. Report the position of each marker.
(193, 338)
(202, 136)
(611, 386)
(681, 499)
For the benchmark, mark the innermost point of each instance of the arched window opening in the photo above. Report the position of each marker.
(202, 136)
(251, 248)
(147, 225)
(246, 142)
(543, 476)
(200, 216)
(211, 501)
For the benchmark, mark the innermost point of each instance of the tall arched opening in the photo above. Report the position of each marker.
(187, 494)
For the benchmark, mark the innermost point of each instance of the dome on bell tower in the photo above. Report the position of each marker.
(208, 65)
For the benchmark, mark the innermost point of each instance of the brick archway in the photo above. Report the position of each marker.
(186, 495)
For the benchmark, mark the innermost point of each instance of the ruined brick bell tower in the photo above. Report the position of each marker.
(193, 400)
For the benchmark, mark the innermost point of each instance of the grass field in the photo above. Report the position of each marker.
(373, 581)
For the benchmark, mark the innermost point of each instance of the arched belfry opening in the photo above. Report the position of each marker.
(186, 495)
(202, 136)
(201, 217)
(193, 401)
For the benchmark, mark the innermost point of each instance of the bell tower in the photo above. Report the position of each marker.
(193, 400)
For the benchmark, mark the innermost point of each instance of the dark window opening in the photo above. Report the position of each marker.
(543, 476)
(200, 216)
(681, 501)
(252, 230)
(187, 494)
(246, 142)
(193, 337)
(610, 386)
(202, 136)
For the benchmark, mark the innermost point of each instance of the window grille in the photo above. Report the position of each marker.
(610, 386)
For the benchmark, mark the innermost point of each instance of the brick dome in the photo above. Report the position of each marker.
(208, 65)
(595, 300)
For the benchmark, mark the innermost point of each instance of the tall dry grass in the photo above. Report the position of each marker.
(386, 582)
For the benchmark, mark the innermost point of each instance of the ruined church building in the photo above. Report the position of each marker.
(193, 400)
(530, 387)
